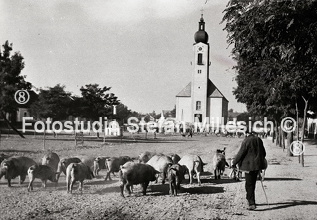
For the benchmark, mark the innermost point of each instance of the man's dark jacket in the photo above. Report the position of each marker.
(251, 155)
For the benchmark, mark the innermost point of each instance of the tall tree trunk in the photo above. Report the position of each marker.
(289, 141)
(303, 128)
(276, 131)
(283, 134)
(10, 125)
(297, 127)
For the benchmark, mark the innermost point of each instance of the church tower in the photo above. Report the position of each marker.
(200, 74)
(201, 100)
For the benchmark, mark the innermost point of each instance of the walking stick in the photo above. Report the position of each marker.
(267, 201)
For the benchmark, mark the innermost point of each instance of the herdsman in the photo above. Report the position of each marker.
(251, 160)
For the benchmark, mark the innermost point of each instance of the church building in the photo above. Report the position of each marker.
(201, 100)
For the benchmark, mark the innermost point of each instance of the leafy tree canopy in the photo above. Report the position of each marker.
(53, 102)
(274, 44)
(11, 79)
(97, 102)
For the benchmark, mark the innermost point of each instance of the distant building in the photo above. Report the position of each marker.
(201, 100)
(23, 109)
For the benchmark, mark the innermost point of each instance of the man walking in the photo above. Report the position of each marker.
(251, 160)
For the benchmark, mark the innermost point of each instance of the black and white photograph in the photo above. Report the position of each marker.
(156, 109)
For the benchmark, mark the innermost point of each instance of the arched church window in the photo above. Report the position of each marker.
(200, 59)
(198, 105)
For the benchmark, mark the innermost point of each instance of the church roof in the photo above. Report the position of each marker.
(212, 91)
(186, 92)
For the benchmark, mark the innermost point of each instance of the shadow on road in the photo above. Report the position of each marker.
(17, 151)
(280, 179)
(282, 205)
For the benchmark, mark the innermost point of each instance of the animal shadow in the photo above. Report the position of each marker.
(203, 190)
(159, 189)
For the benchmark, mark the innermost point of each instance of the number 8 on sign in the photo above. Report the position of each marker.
(21, 96)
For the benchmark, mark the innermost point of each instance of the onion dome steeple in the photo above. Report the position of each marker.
(201, 35)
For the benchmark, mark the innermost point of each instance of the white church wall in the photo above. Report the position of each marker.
(183, 109)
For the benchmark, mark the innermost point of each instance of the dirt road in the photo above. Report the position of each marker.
(291, 189)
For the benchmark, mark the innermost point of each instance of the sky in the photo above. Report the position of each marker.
(143, 49)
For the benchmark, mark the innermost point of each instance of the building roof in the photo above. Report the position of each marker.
(186, 92)
(212, 91)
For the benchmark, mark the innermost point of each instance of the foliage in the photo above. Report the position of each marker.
(11, 79)
(173, 112)
(53, 102)
(276, 52)
(122, 113)
(97, 102)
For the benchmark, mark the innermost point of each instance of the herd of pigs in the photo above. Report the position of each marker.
(132, 171)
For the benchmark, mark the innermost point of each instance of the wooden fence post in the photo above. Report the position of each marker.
(75, 137)
(44, 134)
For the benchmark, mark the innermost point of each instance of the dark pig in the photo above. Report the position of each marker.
(175, 174)
(114, 163)
(15, 166)
(136, 173)
(219, 163)
(77, 172)
(42, 172)
(2, 157)
(175, 158)
(99, 164)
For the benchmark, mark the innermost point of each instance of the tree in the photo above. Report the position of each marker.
(276, 53)
(11, 80)
(53, 102)
(97, 102)
(173, 112)
(123, 113)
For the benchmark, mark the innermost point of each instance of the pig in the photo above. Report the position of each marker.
(193, 163)
(161, 164)
(219, 163)
(175, 158)
(132, 173)
(99, 164)
(43, 172)
(15, 166)
(89, 161)
(188, 132)
(2, 157)
(235, 173)
(146, 156)
(63, 164)
(175, 174)
(77, 172)
(114, 163)
(51, 159)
